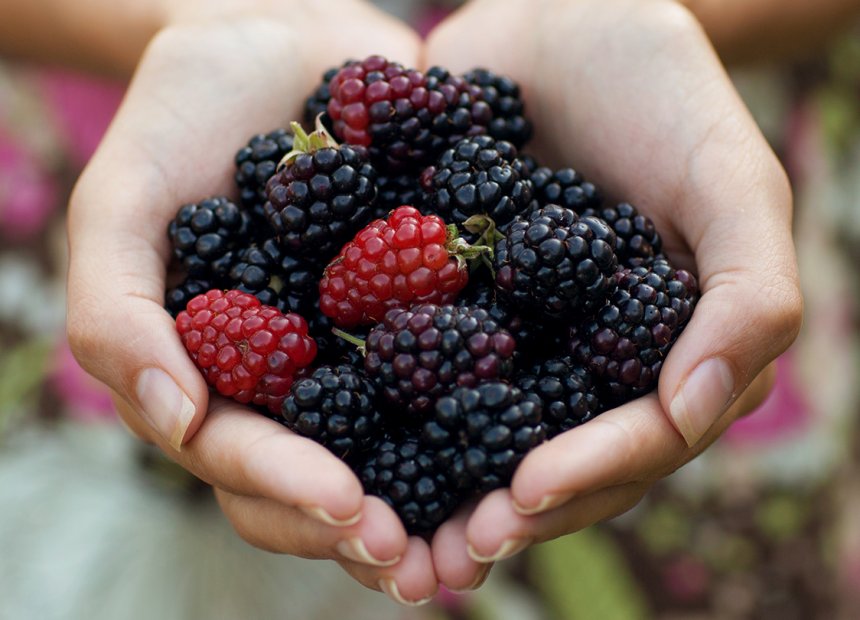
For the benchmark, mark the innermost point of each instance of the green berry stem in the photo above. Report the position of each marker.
(303, 142)
(354, 340)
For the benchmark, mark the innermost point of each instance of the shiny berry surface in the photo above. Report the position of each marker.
(245, 350)
(395, 263)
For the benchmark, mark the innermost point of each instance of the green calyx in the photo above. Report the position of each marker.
(484, 226)
(464, 252)
(303, 142)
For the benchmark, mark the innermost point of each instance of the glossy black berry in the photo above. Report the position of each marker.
(556, 264)
(637, 240)
(178, 297)
(502, 94)
(482, 433)
(256, 163)
(565, 187)
(335, 407)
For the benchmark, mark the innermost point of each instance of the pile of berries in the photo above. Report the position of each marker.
(401, 284)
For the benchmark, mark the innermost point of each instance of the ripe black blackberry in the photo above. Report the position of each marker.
(417, 355)
(531, 165)
(407, 476)
(637, 240)
(465, 113)
(255, 164)
(502, 94)
(566, 188)
(395, 190)
(335, 407)
(321, 197)
(624, 345)
(202, 236)
(480, 175)
(178, 297)
(482, 433)
(565, 389)
(556, 264)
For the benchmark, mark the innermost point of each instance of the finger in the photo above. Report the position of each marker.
(378, 539)
(247, 454)
(411, 582)
(454, 566)
(497, 531)
(632, 443)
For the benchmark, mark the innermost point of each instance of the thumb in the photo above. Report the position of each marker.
(117, 327)
(749, 313)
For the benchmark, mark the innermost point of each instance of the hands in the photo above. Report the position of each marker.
(632, 95)
(628, 92)
(203, 87)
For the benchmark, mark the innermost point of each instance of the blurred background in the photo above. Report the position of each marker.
(764, 525)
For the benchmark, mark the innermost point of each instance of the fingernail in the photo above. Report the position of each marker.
(167, 408)
(480, 578)
(389, 586)
(547, 502)
(323, 515)
(510, 547)
(354, 549)
(702, 399)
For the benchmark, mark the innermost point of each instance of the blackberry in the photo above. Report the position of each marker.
(334, 407)
(531, 165)
(478, 176)
(465, 113)
(502, 94)
(565, 390)
(407, 476)
(203, 235)
(395, 190)
(178, 297)
(556, 264)
(256, 163)
(321, 197)
(417, 355)
(566, 188)
(624, 345)
(637, 239)
(482, 433)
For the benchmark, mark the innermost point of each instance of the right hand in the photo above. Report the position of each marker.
(207, 82)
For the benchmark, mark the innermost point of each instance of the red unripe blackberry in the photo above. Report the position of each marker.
(556, 264)
(319, 199)
(479, 176)
(565, 390)
(482, 433)
(400, 262)
(245, 350)
(637, 240)
(335, 407)
(624, 345)
(566, 188)
(502, 94)
(417, 355)
(203, 236)
(407, 477)
(256, 163)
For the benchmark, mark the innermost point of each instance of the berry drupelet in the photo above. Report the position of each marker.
(502, 94)
(565, 390)
(256, 163)
(624, 345)
(407, 477)
(203, 235)
(177, 298)
(335, 407)
(245, 350)
(556, 264)
(637, 240)
(566, 188)
(405, 260)
(482, 433)
(395, 190)
(479, 176)
(323, 194)
(418, 355)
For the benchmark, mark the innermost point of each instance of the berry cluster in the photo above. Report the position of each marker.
(405, 287)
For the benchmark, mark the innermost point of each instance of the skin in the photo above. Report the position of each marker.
(630, 93)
